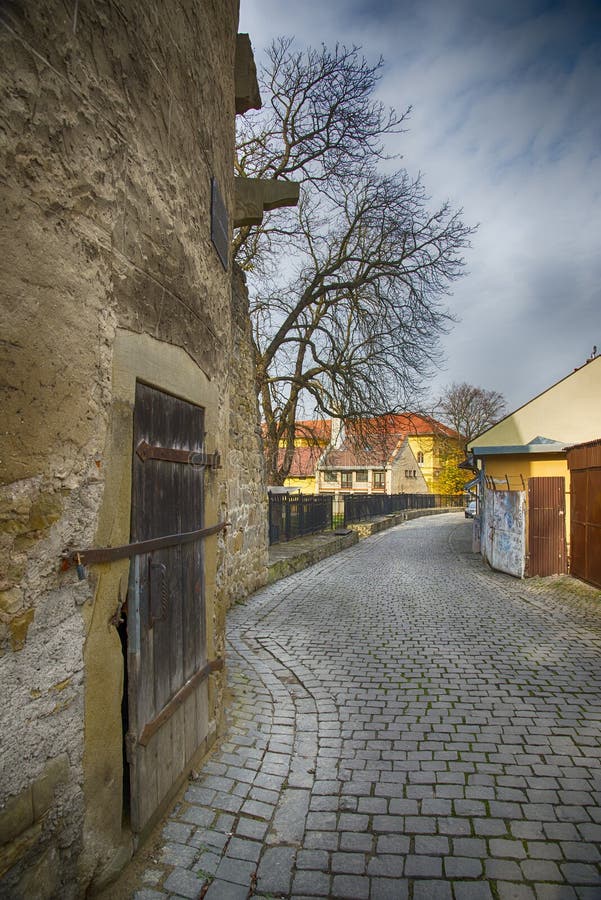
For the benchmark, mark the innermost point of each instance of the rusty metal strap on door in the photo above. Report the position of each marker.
(184, 692)
(172, 454)
(109, 554)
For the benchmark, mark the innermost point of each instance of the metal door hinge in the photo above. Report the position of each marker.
(197, 458)
(110, 554)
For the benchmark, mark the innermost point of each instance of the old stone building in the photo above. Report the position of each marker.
(128, 415)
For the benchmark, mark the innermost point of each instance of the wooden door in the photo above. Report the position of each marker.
(166, 626)
(585, 543)
(546, 526)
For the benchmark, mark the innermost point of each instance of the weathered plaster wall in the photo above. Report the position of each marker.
(503, 530)
(516, 469)
(114, 117)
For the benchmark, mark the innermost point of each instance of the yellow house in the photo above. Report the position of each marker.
(435, 452)
(407, 453)
(303, 469)
(525, 453)
(311, 437)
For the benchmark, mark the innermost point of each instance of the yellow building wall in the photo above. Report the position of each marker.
(306, 485)
(435, 449)
(527, 466)
(425, 445)
(519, 468)
(569, 412)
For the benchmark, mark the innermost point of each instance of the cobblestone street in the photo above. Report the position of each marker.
(404, 723)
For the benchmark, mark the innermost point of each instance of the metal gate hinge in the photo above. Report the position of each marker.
(199, 458)
(110, 554)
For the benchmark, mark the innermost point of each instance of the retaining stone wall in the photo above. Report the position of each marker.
(364, 529)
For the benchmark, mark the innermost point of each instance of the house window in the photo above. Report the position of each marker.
(346, 479)
(420, 457)
(378, 479)
(361, 475)
(330, 477)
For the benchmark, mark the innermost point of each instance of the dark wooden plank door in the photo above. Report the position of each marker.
(585, 543)
(166, 608)
(546, 526)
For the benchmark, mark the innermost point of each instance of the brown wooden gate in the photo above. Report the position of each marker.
(167, 664)
(584, 463)
(546, 527)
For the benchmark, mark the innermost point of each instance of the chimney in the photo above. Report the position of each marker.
(337, 438)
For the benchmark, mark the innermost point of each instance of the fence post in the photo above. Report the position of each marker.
(287, 518)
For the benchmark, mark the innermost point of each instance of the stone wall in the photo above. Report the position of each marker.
(115, 117)
(248, 536)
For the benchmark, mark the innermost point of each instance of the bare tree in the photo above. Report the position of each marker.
(350, 324)
(470, 410)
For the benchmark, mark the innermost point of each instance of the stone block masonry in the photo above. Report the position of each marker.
(247, 536)
(116, 120)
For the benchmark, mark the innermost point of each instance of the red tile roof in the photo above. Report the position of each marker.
(319, 430)
(310, 430)
(405, 424)
(375, 441)
(368, 442)
(304, 461)
(377, 452)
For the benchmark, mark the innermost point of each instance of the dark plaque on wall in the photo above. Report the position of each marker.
(219, 224)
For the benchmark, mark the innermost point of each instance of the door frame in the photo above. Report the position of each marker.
(584, 464)
(547, 546)
(167, 703)
(171, 369)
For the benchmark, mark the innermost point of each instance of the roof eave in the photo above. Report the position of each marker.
(517, 450)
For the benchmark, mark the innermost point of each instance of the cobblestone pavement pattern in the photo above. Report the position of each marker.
(405, 724)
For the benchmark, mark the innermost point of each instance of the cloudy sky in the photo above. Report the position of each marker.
(506, 123)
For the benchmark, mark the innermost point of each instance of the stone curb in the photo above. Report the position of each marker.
(323, 545)
(364, 529)
(294, 556)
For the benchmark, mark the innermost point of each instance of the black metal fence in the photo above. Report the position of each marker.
(358, 507)
(294, 515)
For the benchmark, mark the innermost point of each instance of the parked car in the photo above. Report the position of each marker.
(470, 510)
